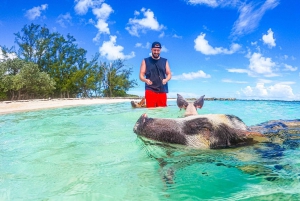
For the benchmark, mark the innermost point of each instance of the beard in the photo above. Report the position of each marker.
(156, 56)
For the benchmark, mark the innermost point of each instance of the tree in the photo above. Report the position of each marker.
(20, 79)
(116, 79)
(74, 76)
(33, 42)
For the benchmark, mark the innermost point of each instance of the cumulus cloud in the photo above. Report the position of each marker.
(100, 10)
(111, 51)
(148, 22)
(63, 20)
(35, 12)
(258, 65)
(262, 65)
(191, 76)
(202, 45)
(103, 12)
(250, 16)
(82, 6)
(268, 39)
(102, 15)
(289, 68)
(279, 91)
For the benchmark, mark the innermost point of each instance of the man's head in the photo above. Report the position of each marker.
(155, 49)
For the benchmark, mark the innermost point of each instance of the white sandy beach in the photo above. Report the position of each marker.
(28, 105)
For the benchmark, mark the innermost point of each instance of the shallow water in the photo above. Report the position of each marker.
(91, 153)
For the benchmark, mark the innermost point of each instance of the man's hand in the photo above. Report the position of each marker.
(148, 82)
(164, 81)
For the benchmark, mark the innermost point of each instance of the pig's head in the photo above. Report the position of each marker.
(190, 108)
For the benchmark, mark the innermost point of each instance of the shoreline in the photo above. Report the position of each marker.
(8, 107)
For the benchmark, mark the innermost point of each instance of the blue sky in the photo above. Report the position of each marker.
(217, 48)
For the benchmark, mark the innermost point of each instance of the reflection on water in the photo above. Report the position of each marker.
(91, 153)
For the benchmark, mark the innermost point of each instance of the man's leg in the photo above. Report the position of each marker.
(151, 98)
(162, 100)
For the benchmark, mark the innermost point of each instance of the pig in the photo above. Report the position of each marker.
(140, 104)
(211, 131)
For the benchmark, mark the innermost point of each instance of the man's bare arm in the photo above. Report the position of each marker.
(143, 72)
(168, 73)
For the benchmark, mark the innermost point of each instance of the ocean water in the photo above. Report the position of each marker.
(92, 153)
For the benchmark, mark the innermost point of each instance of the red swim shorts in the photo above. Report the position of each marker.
(154, 99)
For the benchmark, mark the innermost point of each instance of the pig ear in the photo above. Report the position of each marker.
(143, 117)
(181, 102)
(199, 103)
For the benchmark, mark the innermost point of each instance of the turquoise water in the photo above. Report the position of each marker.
(91, 153)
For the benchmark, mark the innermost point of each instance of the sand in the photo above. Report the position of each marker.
(7, 107)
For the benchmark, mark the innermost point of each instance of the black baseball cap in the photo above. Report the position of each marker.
(156, 45)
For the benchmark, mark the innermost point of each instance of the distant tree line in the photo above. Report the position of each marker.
(51, 65)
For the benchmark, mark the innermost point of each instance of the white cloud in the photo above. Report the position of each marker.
(254, 43)
(82, 6)
(269, 39)
(261, 65)
(35, 12)
(211, 3)
(176, 36)
(215, 3)
(149, 22)
(103, 12)
(62, 20)
(250, 16)
(111, 51)
(279, 91)
(91, 21)
(100, 10)
(102, 15)
(147, 46)
(102, 26)
(164, 49)
(201, 45)
(161, 35)
(138, 45)
(238, 70)
(264, 81)
(232, 81)
(6, 56)
(191, 76)
(289, 68)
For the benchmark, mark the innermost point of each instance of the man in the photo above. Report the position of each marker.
(155, 72)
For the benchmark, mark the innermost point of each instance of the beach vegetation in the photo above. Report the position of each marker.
(43, 56)
(24, 80)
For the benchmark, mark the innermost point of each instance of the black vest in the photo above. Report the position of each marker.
(156, 71)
